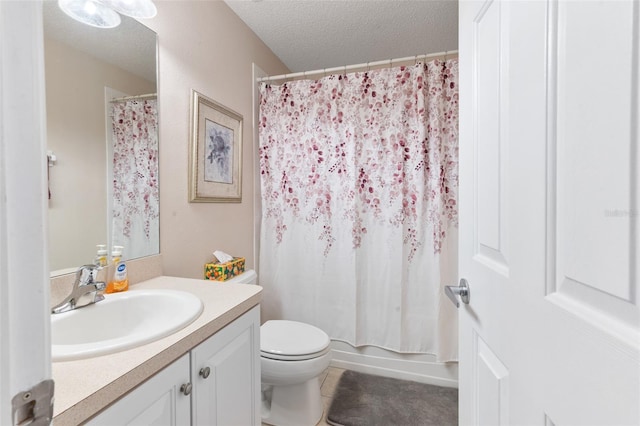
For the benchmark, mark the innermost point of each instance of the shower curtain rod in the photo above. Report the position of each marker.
(355, 67)
(129, 98)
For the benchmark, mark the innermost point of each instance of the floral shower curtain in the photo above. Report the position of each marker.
(135, 208)
(359, 177)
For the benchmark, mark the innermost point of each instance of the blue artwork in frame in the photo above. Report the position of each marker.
(215, 168)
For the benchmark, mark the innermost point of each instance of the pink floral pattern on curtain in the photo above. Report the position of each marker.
(135, 164)
(380, 145)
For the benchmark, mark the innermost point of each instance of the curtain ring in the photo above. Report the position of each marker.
(390, 63)
(345, 70)
(415, 60)
(325, 72)
(368, 66)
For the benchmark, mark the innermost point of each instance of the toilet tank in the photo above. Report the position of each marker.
(248, 277)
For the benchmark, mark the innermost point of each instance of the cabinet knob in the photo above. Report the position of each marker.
(186, 388)
(204, 372)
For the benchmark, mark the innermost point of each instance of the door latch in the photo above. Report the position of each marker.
(34, 407)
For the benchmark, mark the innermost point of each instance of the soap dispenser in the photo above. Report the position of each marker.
(118, 278)
(101, 255)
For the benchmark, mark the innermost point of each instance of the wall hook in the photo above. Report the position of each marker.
(51, 159)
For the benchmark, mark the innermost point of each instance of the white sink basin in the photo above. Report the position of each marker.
(121, 321)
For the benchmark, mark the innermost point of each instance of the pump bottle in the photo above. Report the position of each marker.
(118, 281)
(101, 255)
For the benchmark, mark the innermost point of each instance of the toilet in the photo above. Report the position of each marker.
(292, 356)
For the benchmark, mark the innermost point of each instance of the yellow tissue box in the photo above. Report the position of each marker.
(224, 271)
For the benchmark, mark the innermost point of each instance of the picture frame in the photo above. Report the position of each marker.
(215, 166)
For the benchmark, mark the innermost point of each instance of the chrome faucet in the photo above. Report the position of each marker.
(86, 290)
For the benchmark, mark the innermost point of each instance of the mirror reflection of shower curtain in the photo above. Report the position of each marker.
(134, 168)
(359, 176)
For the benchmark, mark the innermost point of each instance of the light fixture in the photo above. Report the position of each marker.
(90, 12)
(102, 13)
(135, 8)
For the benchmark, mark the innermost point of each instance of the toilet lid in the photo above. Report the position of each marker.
(291, 338)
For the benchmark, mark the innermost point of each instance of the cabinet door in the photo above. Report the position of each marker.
(158, 401)
(230, 395)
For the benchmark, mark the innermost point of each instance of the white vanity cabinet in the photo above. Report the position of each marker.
(221, 377)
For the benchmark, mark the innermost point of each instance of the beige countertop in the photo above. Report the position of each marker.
(85, 387)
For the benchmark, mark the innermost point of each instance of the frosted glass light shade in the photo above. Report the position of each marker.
(135, 8)
(90, 12)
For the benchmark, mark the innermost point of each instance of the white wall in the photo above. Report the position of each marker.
(204, 46)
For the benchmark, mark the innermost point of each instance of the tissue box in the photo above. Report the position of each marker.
(224, 271)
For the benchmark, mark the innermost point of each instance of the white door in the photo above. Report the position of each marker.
(549, 163)
(25, 360)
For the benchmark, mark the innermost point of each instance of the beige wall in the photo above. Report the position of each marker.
(206, 47)
(75, 83)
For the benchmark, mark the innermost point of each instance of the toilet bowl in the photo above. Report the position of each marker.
(292, 356)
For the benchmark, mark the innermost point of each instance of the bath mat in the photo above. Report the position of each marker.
(366, 400)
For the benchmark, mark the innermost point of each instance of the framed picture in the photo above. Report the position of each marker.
(215, 168)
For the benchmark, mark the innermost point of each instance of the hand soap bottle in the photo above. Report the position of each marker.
(101, 255)
(118, 281)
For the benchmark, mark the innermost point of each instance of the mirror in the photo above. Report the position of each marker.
(103, 181)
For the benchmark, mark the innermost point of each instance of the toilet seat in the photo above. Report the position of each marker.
(279, 357)
(292, 341)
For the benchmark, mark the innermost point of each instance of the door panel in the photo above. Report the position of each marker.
(490, 176)
(592, 221)
(231, 372)
(549, 126)
(492, 393)
(485, 200)
(595, 251)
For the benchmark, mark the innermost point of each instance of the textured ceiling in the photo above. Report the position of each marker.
(305, 34)
(315, 34)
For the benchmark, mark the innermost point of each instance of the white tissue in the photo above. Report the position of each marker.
(222, 256)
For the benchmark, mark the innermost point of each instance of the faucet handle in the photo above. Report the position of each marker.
(86, 274)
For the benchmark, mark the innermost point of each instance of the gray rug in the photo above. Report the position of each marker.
(366, 400)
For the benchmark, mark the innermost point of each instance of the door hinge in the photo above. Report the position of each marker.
(34, 407)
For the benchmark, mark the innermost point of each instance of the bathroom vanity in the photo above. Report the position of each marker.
(206, 373)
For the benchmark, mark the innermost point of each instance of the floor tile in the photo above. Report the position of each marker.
(330, 383)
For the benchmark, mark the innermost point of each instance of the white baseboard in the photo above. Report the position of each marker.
(421, 368)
